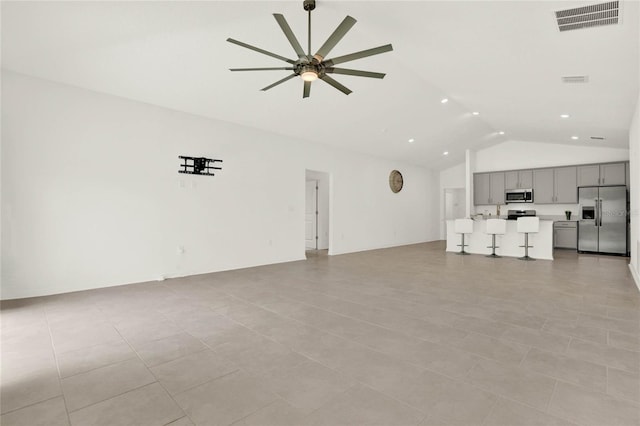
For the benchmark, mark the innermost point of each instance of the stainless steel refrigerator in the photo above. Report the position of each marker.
(603, 219)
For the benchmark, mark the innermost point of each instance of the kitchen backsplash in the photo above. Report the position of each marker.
(541, 209)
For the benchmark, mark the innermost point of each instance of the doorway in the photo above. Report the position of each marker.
(454, 207)
(316, 211)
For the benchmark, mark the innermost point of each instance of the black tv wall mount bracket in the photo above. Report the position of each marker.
(198, 165)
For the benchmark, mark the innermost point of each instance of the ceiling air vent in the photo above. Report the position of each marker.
(588, 16)
(575, 79)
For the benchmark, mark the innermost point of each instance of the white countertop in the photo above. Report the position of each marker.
(553, 218)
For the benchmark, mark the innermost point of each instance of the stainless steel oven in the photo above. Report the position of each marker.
(518, 196)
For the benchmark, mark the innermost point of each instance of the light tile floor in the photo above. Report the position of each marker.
(401, 336)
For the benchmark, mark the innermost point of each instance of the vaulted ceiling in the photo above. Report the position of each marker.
(503, 59)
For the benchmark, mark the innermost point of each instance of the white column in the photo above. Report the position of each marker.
(470, 167)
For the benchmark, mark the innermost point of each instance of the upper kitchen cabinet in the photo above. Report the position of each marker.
(543, 191)
(613, 174)
(481, 189)
(589, 175)
(488, 188)
(555, 186)
(602, 174)
(497, 188)
(566, 187)
(518, 179)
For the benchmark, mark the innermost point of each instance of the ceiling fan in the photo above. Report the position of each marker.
(312, 67)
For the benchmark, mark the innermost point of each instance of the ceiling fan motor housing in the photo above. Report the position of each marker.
(309, 5)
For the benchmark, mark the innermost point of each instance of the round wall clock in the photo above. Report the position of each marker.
(395, 181)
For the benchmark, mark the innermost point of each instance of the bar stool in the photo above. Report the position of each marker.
(495, 226)
(463, 226)
(526, 226)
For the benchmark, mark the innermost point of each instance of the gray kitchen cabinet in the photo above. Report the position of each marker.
(602, 174)
(526, 179)
(613, 174)
(589, 175)
(566, 187)
(511, 180)
(553, 186)
(565, 235)
(518, 179)
(481, 189)
(543, 186)
(497, 188)
(488, 188)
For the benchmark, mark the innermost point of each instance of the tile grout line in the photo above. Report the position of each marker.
(363, 321)
(55, 356)
(332, 369)
(153, 375)
(36, 403)
(375, 350)
(490, 412)
(117, 362)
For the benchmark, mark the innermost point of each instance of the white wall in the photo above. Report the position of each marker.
(91, 196)
(634, 192)
(514, 155)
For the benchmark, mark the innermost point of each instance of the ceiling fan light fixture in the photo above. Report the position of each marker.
(309, 75)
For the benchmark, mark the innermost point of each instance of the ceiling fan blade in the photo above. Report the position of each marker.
(263, 69)
(307, 89)
(335, 84)
(289, 77)
(335, 38)
(358, 55)
(257, 49)
(286, 29)
(354, 72)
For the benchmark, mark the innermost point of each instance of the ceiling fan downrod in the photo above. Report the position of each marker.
(309, 5)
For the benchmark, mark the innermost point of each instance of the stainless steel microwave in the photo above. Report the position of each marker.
(518, 196)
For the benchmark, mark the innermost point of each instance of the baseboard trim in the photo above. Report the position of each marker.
(635, 276)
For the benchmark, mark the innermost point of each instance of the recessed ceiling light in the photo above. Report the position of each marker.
(445, 100)
(564, 115)
(575, 138)
(475, 113)
(445, 153)
(501, 133)
(412, 140)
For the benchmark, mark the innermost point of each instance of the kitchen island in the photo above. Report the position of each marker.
(509, 243)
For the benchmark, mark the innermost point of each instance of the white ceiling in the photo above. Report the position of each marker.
(501, 58)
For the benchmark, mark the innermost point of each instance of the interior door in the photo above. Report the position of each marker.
(613, 222)
(311, 216)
